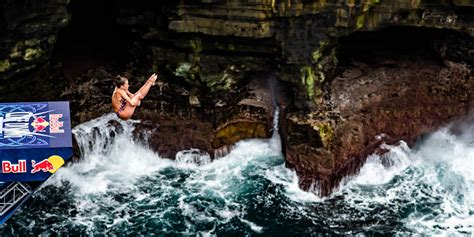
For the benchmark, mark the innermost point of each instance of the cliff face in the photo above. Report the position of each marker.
(28, 31)
(350, 75)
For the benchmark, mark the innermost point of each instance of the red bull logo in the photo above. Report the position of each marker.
(39, 124)
(8, 167)
(45, 166)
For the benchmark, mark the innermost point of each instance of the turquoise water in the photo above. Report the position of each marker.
(122, 188)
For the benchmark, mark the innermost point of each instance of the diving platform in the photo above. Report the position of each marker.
(35, 141)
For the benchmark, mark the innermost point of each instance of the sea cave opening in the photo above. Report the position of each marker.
(92, 38)
(394, 44)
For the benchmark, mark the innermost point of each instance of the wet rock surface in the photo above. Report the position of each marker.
(169, 122)
(374, 104)
(169, 135)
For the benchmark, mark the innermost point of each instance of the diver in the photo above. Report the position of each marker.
(124, 103)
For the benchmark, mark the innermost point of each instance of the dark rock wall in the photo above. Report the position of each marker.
(28, 31)
(348, 79)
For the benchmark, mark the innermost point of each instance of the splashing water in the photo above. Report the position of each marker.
(427, 190)
(120, 187)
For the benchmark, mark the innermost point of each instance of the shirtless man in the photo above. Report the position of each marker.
(124, 103)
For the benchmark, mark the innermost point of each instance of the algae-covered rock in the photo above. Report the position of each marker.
(28, 30)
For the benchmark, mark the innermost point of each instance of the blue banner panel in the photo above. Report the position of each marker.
(32, 164)
(35, 140)
(35, 125)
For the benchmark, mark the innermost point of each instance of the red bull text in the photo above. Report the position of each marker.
(8, 167)
(55, 124)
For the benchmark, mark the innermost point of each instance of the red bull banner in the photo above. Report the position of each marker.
(35, 140)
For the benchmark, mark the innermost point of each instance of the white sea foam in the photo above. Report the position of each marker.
(433, 183)
(113, 164)
(375, 172)
(438, 176)
(290, 182)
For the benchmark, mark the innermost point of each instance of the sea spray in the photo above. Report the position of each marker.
(120, 187)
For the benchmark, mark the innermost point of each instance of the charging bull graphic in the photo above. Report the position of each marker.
(51, 164)
(44, 166)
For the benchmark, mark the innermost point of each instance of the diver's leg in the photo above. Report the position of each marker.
(137, 98)
(144, 90)
(149, 83)
(127, 112)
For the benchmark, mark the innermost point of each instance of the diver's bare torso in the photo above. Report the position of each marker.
(124, 102)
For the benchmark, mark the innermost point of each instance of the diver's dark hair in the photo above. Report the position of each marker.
(119, 81)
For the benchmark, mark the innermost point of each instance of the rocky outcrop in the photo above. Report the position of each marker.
(28, 31)
(171, 122)
(374, 104)
(341, 108)
(351, 74)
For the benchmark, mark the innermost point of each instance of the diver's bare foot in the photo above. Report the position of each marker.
(153, 78)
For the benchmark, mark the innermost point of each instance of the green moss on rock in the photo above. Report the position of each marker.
(31, 42)
(326, 132)
(360, 20)
(52, 39)
(317, 54)
(5, 65)
(307, 79)
(32, 53)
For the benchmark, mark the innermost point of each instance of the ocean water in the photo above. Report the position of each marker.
(121, 187)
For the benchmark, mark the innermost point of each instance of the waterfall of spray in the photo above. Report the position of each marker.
(119, 182)
(278, 105)
(275, 140)
(109, 156)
